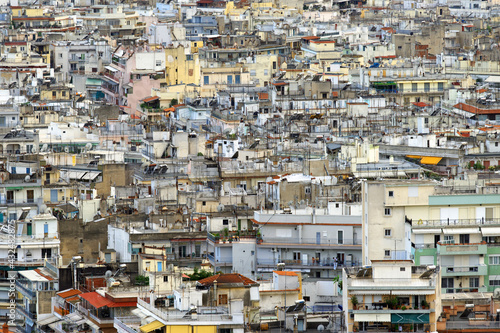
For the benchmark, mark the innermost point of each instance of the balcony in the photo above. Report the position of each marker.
(120, 323)
(464, 270)
(464, 290)
(179, 317)
(310, 263)
(382, 307)
(232, 236)
(25, 290)
(311, 242)
(462, 249)
(454, 222)
(222, 261)
(109, 91)
(25, 313)
(60, 311)
(100, 321)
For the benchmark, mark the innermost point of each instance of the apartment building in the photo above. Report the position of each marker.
(391, 295)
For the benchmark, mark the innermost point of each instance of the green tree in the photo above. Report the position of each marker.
(141, 280)
(174, 101)
(199, 274)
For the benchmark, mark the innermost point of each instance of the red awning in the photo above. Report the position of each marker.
(185, 276)
(96, 300)
(150, 99)
(122, 304)
(420, 104)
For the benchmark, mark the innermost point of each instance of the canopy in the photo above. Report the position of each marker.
(410, 318)
(462, 231)
(427, 231)
(373, 317)
(152, 326)
(430, 160)
(490, 231)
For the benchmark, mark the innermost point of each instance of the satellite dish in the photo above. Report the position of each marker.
(321, 328)
(220, 208)
(27, 178)
(66, 149)
(108, 275)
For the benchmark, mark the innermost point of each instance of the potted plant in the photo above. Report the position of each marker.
(424, 304)
(392, 302)
(355, 302)
(225, 231)
(403, 308)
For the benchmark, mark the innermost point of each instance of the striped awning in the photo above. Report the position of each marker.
(490, 231)
(461, 231)
(434, 231)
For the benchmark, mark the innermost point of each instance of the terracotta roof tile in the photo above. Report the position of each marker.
(227, 279)
(68, 293)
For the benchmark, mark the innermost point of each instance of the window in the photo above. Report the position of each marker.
(473, 282)
(448, 239)
(387, 212)
(266, 73)
(229, 79)
(496, 144)
(253, 72)
(494, 260)
(237, 79)
(223, 299)
(464, 239)
(225, 222)
(495, 282)
(447, 283)
(306, 298)
(252, 253)
(203, 203)
(53, 94)
(308, 190)
(340, 236)
(427, 87)
(402, 269)
(205, 79)
(391, 193)
(64, 94)
(414, 87)
(296, 256)
(274, 64)
(165, 278)
(387, 253)
(440, 86)
(387, 232)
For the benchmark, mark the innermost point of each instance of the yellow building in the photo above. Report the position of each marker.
(55, 93)
(181, 68)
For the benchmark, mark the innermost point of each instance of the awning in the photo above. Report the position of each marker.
(373, 317)
(111, 69)
(463, 231)
(434, 231)
(393, 292)
(96, 300)
(151, 326)
(139, 313)
(410, 318)
(48, 320)
(490, 231)
(430, 160)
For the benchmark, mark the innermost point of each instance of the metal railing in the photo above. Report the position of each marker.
(311, 241)
(25, 290)
(121, 322)
(454, 222)
(462, 269)
(328, 263)
(221, 261)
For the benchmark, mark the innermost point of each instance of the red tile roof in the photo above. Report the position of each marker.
(68, 293)
(473, 109)
(44, 275)
(150, 99)
(233, 278)
(96, 300)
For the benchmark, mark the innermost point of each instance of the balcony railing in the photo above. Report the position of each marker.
(99, 320)
(220, 261)
(453, 222)
(311, 241)
(25, 290)
(383, 306)
(26, 313)
(121, 323)
(326, 263)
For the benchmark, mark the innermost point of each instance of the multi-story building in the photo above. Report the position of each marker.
(391, 295)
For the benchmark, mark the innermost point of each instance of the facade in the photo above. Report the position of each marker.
(391, 294)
